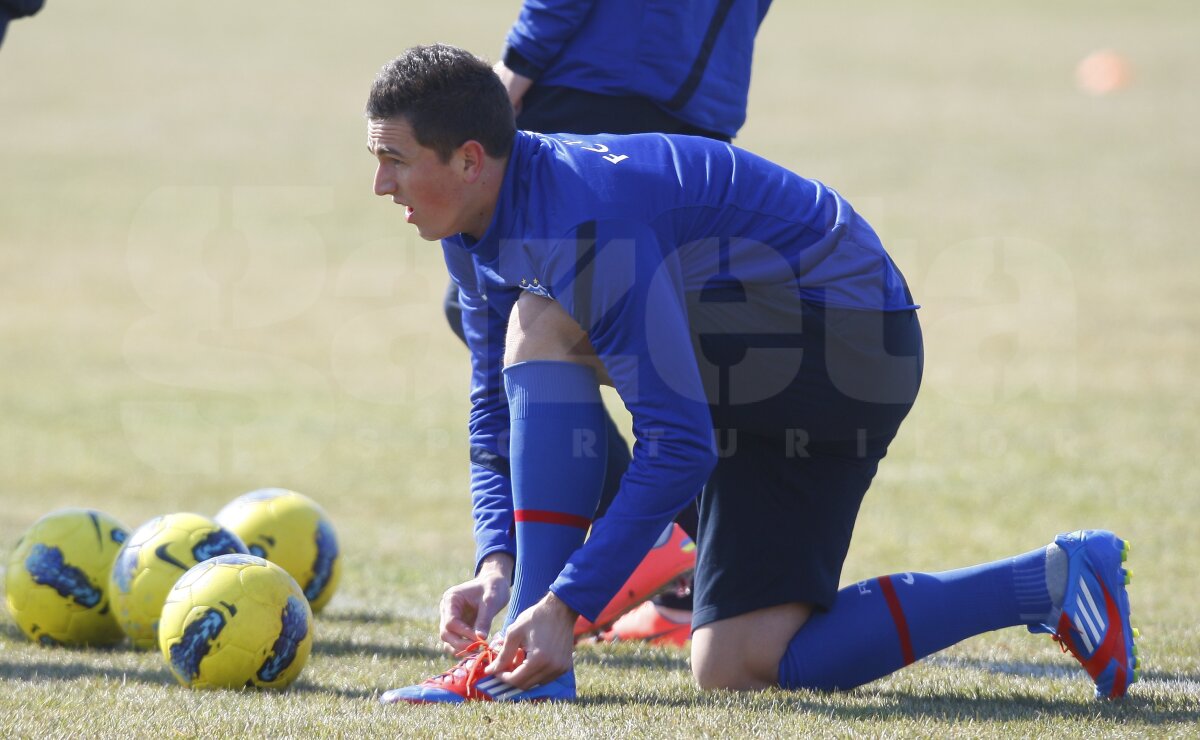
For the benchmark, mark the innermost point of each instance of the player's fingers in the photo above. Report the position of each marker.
(457, 634)
(532, 671)
(522, 676)
(448, 609)
(455, 644)
(484, 613)
(507, 657)
(483, 623)
(489, 607)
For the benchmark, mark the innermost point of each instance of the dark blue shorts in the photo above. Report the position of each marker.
(794, 464)
(550, 110)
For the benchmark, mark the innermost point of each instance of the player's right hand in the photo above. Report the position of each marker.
(466, 611)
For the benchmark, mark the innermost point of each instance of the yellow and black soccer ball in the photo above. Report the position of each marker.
(292, 531)
(57, 578)
(153, 558)
(236, 621)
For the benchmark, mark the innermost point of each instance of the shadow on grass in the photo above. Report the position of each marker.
(302, 687)
(949, 708)
(52, 672)
(390, 623)
(1058, 670)
(34, 670)
(892, 704)
(336, 647)
(365, 617)
(965, 708)
(13, 633)
(665, 660)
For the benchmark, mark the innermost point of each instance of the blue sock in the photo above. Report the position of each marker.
(557, 455)
(880, 625)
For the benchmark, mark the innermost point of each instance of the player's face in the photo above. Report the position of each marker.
(432, 191)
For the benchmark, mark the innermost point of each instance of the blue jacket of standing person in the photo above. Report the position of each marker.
(691, 58)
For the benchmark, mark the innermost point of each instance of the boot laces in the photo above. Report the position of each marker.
(475, 657)
(1063, 645)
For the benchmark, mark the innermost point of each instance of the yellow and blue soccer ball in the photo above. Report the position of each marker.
(153, 559)
(57, 578)
(236, 621)
(292, 531)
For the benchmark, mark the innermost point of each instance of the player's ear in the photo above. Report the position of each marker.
(471, 156)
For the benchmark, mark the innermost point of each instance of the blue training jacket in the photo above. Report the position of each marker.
(624, 232)
(691, 58)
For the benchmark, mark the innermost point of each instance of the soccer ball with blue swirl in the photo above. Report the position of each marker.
(57, 579)
(236, 621)
(153, 559)
(292, 531)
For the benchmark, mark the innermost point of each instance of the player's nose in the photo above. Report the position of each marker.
(384, 183)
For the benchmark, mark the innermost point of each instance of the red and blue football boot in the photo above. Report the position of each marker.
(467, 682)
(1092, 623)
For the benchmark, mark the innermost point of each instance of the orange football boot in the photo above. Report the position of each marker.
(673, 556)
(647, 624)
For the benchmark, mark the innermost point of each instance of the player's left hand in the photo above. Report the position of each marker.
(516, 84)
(546, 633)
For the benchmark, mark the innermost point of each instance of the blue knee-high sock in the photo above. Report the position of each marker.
(878, 626)
(557, 455)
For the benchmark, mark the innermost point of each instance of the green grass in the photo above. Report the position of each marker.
(200, 296)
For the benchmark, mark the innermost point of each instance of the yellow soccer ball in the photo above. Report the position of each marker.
(235, 621)
(154, 557)
(57, 578)
(292, 531)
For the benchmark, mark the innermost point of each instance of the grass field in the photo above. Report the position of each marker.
(199, 295)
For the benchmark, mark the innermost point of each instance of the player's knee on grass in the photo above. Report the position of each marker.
(743, 653)
(539, 329)
(715, 667)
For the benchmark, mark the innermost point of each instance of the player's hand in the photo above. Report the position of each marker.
(466, 611)
(546, 633)
(516, 84)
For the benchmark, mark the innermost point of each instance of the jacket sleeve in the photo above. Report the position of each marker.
(485, 320)
(541, 31)
(614, 279)
(763, 7)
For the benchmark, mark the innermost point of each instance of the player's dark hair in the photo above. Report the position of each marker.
(448, 96)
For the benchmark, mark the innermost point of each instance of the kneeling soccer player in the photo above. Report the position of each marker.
(768, 350)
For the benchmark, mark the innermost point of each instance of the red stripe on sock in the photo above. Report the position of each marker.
(893, 602)
(541, 516)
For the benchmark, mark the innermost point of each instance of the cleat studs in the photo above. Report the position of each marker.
(1137, 633)
(1128, 576)
(1125, 551)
